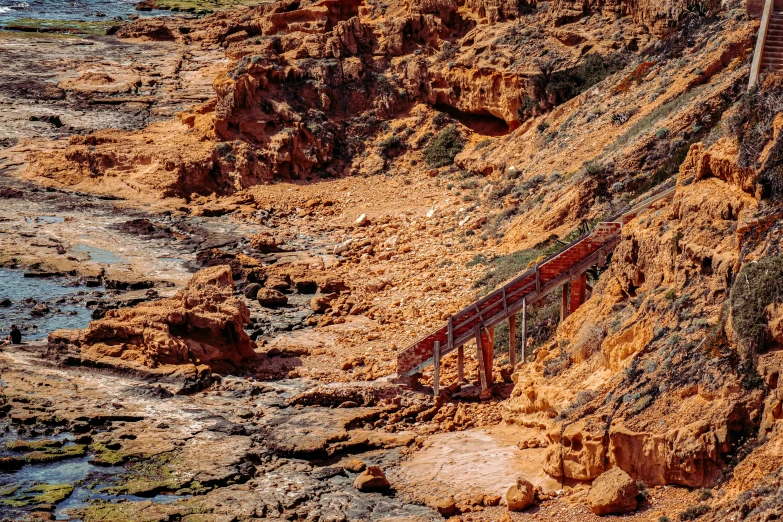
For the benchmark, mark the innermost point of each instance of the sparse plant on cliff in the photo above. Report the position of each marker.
(702, 8)
(551, 87)
(390, 146)
(694, 512)
(752, 125)
(442, 151)
(757, 286)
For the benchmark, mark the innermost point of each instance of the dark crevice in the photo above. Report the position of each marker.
(484, 124)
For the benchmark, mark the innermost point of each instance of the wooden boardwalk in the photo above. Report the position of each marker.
(564, 269)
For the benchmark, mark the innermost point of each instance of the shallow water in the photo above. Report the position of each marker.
(99, 255)
(90, 482)
(24, 293)
(11, 11)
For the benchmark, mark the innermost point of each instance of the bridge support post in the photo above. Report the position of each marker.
(436, 369)
(578, 292)
(480, 358)
(461, 365)
(488, 345)
(565, 305)
(524, 331)
(512, 341)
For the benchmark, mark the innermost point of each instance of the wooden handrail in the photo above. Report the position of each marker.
(761, 39)
(524, 289)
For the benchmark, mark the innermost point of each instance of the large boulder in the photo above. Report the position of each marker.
(200, 327)
(371, 479)
(613, 492)
(520, 496)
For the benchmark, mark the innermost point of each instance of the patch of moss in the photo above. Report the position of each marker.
(30, 445)
(73, 27)
(102, 511)
(9, 490)
(150, 477)
(38, 494)
(106, 457)
(50, 493)
(203, 6)
(51, 455)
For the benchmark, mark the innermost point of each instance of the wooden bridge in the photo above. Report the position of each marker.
(565, 269)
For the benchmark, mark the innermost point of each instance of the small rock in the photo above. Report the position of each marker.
(326, 472)
(354, 466)
(251, 290)
(5, 302)
(613, 492)
(520, 496)
(371, 479)
(322, 303)
(278, 282)
(447, 507)
(39, 310)
(362, 220)
(270, 298)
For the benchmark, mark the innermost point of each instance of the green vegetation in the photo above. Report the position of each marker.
(442, 151)
(648, 122)
(694, 512)
(53, 454)
(106, 457)
(390, 146)
(757, 286)
(38, 494)
(752, 124)
(24, 445)
(150, 476)
(202, 6)
(550, 87)
(73, 27)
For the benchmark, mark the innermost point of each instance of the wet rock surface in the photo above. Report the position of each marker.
(216, 452)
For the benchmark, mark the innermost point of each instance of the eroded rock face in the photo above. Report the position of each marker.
(613, 492)
(657, 16)
(674, 414)
(200, 327)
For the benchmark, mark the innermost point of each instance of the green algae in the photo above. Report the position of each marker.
(106, 457)
(38, 494)
(9, 490)
(72, 27)
(29, 445)
(203, 6)
(102, 511)
(53, 454)
(150, 476)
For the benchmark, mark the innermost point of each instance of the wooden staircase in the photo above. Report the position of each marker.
(772, 57)
(768, 55)
(565, 269)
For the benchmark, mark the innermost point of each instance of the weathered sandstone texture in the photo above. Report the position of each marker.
(200, 329)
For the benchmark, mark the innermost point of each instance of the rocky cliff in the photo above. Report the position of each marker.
(525, 121)
(200, 329)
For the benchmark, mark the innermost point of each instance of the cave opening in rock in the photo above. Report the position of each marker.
(484, 124)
